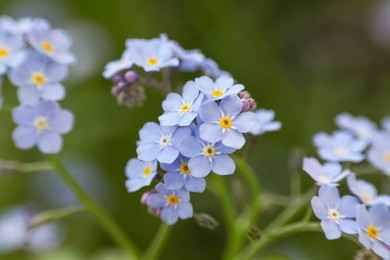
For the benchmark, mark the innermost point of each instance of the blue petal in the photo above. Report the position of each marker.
(156, 201)
(150, 132)
(184, 210)
(195, 184)
(172, 102)
(233, 138)
(167, 154)
(170, 118)
(135, 184)
(28, 95)
(199, 166)
(190, 146)
(53, 91)
(50, 142)
(348, 206)
(187, 118)
(210, 132)
(245, 122)
(319, 208)
(330, 196)
(381, 250)
(231, 105)
(169, 215)
(222, 165)
(348, 226)
(25, 137)
(210, 112)
(134, 168)
(190, 91)
(331, 229)
(148, 152)
(23, 115)
(174, 180)
(62, 122)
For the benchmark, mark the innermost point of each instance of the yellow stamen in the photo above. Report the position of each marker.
(184, 169)
(173, 199)
(366, 197)
(47, 46)
(147, 171)
(387, 157)
(41, 123)
(217, 93)
(38, 79)
(4, 52)
(225, 122)
(372, 232)
(185, 108)
(152, 61)
(209, 151)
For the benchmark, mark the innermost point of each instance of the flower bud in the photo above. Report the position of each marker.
(146, 195)
(254, 234)
(131, 76)
(117, 78)
(206, 221)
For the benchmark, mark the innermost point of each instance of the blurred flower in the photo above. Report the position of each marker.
(114, 67)
(336, 214)
(328, 174)
(379, 153)
(140, 174)
(174, 204)
(374, 229)
(211, 68)
(12, 52)
(206, 221)
(265, 122)
(360, 126)
(386, 123)
(340, 146)
(129, 94)
(41, 125)
(222, 87)
(379, 23)
(366, 191)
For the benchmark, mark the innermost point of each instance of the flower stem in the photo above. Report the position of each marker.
(158, 243)
(107, 223)
(56, 214)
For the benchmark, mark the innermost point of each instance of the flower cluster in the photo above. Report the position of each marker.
(365, 213)
(197, 131)
(35, 58)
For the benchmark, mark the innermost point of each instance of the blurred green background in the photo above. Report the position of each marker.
(307, 60)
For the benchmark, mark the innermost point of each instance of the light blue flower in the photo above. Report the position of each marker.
(38, 78)
(335, 214)
(360, 126)
(174, 204)
(22, 25)
(265, 122)
(114, 67)
(386, 123)
(374, 229)
(181, 110)
(366, 191)
(140, 174)
(222, 87)
(160, 142)
(328, 174)
(12, 53)
(179, 175)
(41, 125)
(341, 146)
(53, 43)
(205, 156)
(155, 55)
(379, 153)
(225, 122)
(190, 60)
(211, 68)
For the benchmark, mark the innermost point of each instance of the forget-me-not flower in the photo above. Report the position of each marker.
(360, 126)
(174, 204)
(328, 174)
(386, 123)
(222, 87)
(39, 78)
(374, 228)
(366, 191)
(181, 110)
(211, 68)
(179, 175)
(379, 153)
(225, 122)
(140, 173)
(335, 213)
(341, 146)
(42, 125)
(12, 52)
(160, 142)
(265, 122)
(113, 67)
(205, 156)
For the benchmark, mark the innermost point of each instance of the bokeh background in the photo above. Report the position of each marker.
(307, 60)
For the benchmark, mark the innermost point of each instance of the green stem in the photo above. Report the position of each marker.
(11, 167)
(53, 215)
(158, 243)
(107, 223)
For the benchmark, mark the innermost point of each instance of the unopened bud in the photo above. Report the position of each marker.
(248, 103)
(146, 195)
(206, 221)
(131, 76)
(117, 78)
(254, 234)
(154, 211)
(366, 255)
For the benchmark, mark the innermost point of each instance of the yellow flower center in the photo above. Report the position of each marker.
(225, 122)
(38, 79)
(184, 169)
(341, 151)
(173, 199)
(387, 157)
(41, 123)
(47, 46)
(152, 61)
(366, 197)
(217, 93)
(209, 151)
(4, 52)
(372, 232)
(185, 108)
(333, 214)
(147, 171)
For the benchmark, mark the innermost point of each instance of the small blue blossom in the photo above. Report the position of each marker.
(379, 153)
(374, 229)
(140, 174)
(336, 214)
(328, 174)
(181, 110)
(12, 53)
(42, 125)
(114, 67)
(160, 142)
(360, 126)
(222, 87)
(205, 156)
(225, 122)
(179, 175)
(53, 43)
(386, 123)
(22, 25)
(265, 122)
(366, 191)
(174, 204)
(341, 146)
(211, 68)
(38, 78)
